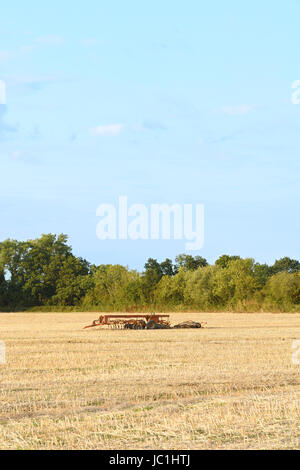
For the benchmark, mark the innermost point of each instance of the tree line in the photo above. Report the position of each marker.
(45, 274)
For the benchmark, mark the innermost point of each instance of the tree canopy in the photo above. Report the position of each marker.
(45, 273)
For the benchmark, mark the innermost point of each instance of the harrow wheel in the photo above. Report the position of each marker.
(152, 325)
(141, 325)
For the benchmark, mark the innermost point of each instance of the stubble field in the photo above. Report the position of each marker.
(231, 385)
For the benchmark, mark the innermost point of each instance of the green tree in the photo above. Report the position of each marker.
(235, 282)
(42, 265)
(110, 286)
(153, 266)
(167, 267)
(283, 289)
(134, 295)
(200, 288)
(170, 290)
(73, 283)
(33, 268)
(3, 289)
(150, 278)
(261, 273)
(189, 263)
(224, 260)
(12, 255)
(285, 265)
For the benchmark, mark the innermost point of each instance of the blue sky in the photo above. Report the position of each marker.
(193, 103)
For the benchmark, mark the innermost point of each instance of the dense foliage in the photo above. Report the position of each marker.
(44, 273)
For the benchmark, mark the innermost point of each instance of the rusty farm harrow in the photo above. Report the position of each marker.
(133, 322)
(151, 321)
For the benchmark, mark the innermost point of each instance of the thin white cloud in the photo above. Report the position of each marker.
(241, 110)
(109, 130)
(2, 92)
(26, 49)
(50, 40)
(5, 129)
(16, 155)
(30, 80)
(19, 156)
(153, 125)
(22, 50)
(25, 84)
(5, 55)
(89, 42)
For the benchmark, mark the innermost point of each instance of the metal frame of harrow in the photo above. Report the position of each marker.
(119, 321)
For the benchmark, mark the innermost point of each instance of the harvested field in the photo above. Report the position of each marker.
(231, 385)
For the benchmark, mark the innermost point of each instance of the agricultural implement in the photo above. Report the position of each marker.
(153, 321)
(133, 322)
